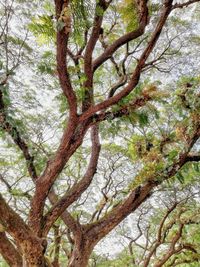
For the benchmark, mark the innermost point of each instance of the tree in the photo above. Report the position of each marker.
(164, 236)
(104, 49)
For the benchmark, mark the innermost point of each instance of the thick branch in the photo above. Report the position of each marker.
(17, 228)
(9, 252)
(65, 216)
(88, 85)
(125, 38)
(137, 196)
(20, 142)
(136, 74)
(76, 191)
(62, 41)
(71, 140)
(193, 157)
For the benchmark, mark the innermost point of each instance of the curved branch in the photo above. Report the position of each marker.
(138, 195)
(88, 84)
(71, 140)
(9, 252)
(172, 249)
(62, 42)
(136, 74)
(125, 38)
(16, 227)
(20, 142)
(75, 192)
(159, 236)
(14, 133)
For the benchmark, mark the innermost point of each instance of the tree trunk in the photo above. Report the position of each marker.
(33, 253)
(81, 253)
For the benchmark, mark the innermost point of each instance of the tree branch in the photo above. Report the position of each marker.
(143, 21)
(14, 133)
(16, 227)
(158, 241)
(138, 195)
(136, 74)
(193, 157)
(62, 42)
(20, 142)
(172, 249)
(88, 84)
(57, 244)
(186, 4)
(71, 140)
(9, 252)
(124, 110)
(75, 192)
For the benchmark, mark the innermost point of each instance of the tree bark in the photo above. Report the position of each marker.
(34, 256)
(9, 252)
(81, 252)
(31, 247)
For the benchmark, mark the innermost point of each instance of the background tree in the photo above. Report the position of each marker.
(111, 63)
(163, 237)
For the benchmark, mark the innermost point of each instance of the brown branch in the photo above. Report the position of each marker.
(186, 4)
(75, 132)
(122, 81)
(71, 140)
(9, 251)
(137, 196)
(20, 232)
(72, 137)
(172, 249)
(143, 21)
(159, 239)
(88, 84)
(20, 142)
(65, 216)
(136, 74)
(57, 243)
(15, 134)
(124, 110)
(62, 42)
(75, 192)
(193, 157)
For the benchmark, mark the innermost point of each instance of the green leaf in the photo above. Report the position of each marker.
(172, 155)
(143, 119)
(180, 177)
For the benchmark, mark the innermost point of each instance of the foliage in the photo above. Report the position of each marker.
(99, 120)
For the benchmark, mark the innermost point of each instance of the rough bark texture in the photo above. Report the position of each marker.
(9, 252)
(81, 252)
(31, 247)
